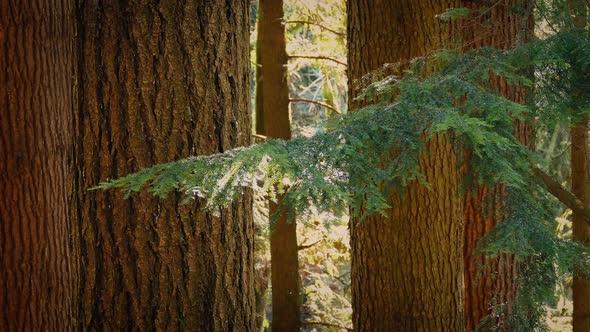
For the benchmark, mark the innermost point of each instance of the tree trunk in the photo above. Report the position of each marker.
(272, 114)
(580, 177)
(581, 231)
(159, 81)
(37, 248)
(407, 268)
(491, 282)
(262, 272)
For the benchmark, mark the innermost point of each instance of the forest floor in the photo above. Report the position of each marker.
(560, 317)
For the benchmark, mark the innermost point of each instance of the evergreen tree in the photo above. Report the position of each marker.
(580, 177)
(159, 82)
(272, 120)
(403, 145)
(490, 284)
(399, 280)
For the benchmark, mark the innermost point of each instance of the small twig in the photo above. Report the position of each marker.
(326, 324)
(323, 27)
(339, 278)
(305, 246)
(301, 100)
(560, 154)
(260, 137)
(318, 57)
(563, 195)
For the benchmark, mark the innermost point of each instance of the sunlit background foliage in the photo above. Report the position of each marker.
(316, 29)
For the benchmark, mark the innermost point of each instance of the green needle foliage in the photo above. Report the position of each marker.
(364, 154)
(368, 150)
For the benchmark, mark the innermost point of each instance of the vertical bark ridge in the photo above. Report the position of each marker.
(412, 267)
(38, 250)
(159, 81)
(407, 267)
(488, 282)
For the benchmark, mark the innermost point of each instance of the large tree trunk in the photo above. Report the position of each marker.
(37, 248)
(491, 282)
(159, 81)
(407, 268)
(272, 115)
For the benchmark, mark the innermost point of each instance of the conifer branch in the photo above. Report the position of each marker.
(562, 194)
(302, 100)
(306, 246)
(323, 27)
(318, 57)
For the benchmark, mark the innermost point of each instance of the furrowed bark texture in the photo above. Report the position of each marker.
(272, 114)
(492, 281)
(407, 268)
(38, 279)
(159, 81)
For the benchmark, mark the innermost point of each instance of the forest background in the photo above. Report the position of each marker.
(318, 29)
(112, 102)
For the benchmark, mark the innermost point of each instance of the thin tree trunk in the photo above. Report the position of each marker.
(407, 268)
(159, 81)
(581, 231)
(38, 251)
(272, 113)
(580, 177)
(262, 271)
(491, 282)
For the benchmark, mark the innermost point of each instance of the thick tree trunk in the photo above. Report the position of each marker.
(272, 114)
(407, 268)
(159, 81)
(37, 248)
(491, 282)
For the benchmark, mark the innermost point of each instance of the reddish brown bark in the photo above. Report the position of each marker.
(159, 81)
(38, 279)
(407, 267)
(581, 230)
(580, 177)
(272, 114)
(490, 282)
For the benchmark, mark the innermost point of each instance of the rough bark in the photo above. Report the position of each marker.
(407, 268)
(491, 282)
(37, 252)
(159, 81)
(272, 114)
